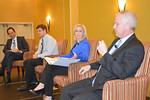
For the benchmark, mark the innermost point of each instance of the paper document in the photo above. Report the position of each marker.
(61, 61)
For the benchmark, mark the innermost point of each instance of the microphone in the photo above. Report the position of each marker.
(115, 46)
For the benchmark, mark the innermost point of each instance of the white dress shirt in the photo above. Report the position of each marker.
(123, 40)
(49, 46)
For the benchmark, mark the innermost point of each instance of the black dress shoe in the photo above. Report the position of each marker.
(38, 92)
(8, 81)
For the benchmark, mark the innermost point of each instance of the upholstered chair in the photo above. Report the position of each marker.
(19, 63)
(74, 67)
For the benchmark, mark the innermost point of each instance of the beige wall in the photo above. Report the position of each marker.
(98, 16)
(16, 10)
(57, 9)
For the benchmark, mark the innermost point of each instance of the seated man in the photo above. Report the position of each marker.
(14, 49)
(120, 61)
(47, 46)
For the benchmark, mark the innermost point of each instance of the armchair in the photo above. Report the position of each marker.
(74, 67)
(26, 55)
(132, 88)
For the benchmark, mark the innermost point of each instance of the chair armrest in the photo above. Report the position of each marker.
(129, 89)
(52, 56)
(28, 55)
(73, 70)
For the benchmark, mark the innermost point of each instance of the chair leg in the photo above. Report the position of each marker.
(4, 77)
(18, 70)
(22, 71)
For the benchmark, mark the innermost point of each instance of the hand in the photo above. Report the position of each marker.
(75, 56)
(15, 50)
(34, 56)
(102, 48)
(84, 69)
(56, 57)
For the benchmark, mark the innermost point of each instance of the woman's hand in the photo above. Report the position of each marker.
(75, 56)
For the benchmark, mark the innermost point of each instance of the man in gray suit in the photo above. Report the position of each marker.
(120, 61)
(14, 49)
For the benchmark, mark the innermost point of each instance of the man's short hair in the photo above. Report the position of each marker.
(42, 26)
(9, 29)
(129, 16)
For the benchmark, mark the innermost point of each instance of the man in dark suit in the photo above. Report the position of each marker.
(120, 61)
(14, 49)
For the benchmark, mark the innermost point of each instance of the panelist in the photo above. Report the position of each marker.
(47, 46)
(14, 50)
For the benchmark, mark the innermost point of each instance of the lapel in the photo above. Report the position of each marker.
(73, 46)
(125, 43)
(113, 43)
(18, 42)
(9, 43)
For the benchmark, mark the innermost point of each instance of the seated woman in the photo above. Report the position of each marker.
(80, 50)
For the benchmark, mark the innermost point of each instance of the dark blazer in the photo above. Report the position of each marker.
(21, 42)
(121, 64)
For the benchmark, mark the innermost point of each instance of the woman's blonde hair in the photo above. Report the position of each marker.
(84, 31)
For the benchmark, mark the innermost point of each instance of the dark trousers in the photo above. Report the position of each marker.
(81, 90)
(8, 60)
(49, 72)
(30, 65)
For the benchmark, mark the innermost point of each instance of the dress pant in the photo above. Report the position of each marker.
(49, 72)
(81, 90)
(30, 65)
(8, 60)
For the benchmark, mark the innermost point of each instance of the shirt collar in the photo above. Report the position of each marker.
(15, 38)
(125, 38)
(44, 37)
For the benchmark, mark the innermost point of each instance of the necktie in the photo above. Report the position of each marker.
(42, 46)
(13, 45)
(116, 47)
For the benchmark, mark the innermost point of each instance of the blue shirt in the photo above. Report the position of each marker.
(82, 50)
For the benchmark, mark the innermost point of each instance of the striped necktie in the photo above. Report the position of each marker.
(116, 46)
(42, 46)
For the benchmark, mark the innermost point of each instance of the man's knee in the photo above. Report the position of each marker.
(8, 53)
(63, 89)
(66, 89)
(27, 62)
